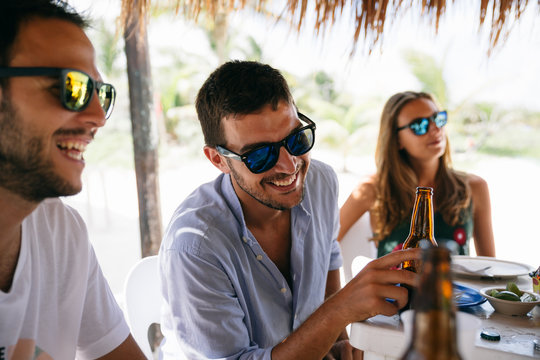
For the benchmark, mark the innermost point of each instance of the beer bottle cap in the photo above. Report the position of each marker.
(490, 334)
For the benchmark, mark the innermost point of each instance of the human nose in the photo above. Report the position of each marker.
(432, 127)
(94, 114)
(286, 162)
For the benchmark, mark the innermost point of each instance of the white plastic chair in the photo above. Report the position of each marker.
(142, 298)
(356, 244)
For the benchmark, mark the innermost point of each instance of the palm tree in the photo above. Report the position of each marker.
(429, 73)
(344, 123)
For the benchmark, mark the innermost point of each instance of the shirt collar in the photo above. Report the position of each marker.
(299, 211)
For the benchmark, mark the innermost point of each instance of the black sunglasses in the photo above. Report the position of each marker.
(77, 86)
(420, 126)
(264, 157)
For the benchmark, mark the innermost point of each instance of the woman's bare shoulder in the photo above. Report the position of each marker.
(357, 204)
(366, 188)
(476, 182)
(479, 191)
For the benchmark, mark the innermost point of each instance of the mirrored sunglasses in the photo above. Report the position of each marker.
(420, 126)
(77, 87)
(264, 158)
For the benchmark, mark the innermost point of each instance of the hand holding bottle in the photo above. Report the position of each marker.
(367, 293)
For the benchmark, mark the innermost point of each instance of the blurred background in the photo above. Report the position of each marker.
(491, 96)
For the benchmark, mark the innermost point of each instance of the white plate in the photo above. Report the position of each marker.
(499, 269)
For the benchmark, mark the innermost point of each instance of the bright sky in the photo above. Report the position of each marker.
(510, 76)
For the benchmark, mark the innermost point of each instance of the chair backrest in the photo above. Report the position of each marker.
(142, 296)
(356, 243)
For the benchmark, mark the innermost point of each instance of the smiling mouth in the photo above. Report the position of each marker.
(72, 149)
(285, 182)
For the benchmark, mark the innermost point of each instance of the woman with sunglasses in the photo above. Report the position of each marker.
(413, 150)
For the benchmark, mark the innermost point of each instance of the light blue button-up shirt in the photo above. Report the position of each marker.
(224, 297)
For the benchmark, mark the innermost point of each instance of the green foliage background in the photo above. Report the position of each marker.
(346, 124)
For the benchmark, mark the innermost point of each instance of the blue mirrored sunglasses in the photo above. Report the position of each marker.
(77, 88)
(420, 126)
(264, 157)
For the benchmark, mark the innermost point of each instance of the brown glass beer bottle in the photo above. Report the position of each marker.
(421, 224)
(434, 324)
(420, 233)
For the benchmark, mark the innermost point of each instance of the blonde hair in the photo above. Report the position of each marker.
(396, 180)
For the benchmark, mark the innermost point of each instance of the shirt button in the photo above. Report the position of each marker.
(259, 257)
(283, 290)
(245, 239)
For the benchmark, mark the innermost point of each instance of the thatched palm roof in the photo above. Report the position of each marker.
(369, 16)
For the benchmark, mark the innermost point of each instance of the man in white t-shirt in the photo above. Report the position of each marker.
(54, 300)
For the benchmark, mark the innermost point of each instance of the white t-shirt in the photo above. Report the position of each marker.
(59, 305)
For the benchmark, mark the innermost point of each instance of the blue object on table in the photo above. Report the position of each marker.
(465, 297)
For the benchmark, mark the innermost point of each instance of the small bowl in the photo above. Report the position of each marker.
(509, 307)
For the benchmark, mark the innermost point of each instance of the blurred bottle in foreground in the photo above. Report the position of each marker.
(434, 324)
(421, 232)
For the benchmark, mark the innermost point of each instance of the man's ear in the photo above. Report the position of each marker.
(215, 158)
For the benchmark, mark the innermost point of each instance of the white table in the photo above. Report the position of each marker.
(382, 337)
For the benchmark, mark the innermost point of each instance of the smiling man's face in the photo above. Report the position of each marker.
(41, 142)
(282, 186)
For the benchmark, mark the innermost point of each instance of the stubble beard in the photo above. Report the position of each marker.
(266, 199)
(23, 169)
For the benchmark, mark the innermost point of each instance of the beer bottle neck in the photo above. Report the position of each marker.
(422, 217)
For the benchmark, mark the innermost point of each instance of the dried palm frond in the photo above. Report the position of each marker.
(501, 10)
(369, 16)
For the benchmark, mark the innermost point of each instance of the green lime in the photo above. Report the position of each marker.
(494, 292)
(512, 287)
(506, 295)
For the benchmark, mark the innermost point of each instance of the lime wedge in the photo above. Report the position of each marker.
(512, 287)
(506, 295)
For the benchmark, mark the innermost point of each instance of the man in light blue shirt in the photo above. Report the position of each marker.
(248, 259)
